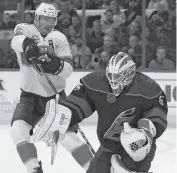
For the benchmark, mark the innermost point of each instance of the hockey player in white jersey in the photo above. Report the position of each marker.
(35, 44)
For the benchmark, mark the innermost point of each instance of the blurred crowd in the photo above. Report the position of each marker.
(119, 28)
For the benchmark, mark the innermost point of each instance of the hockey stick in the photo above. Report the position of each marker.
(55, 140)
(86, 140)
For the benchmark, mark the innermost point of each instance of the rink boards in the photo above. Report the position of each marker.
(10, 91)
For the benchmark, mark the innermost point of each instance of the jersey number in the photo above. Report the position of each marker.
(161, 100)
(113, 133)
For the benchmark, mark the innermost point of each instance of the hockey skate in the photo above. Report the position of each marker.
(38, 169)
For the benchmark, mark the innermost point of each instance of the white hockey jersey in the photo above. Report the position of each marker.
(31, 80)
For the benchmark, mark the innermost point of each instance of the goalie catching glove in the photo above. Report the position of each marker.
(137, 142)
(56, 118)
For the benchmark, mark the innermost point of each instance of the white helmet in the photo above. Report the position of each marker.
(45, 9)
(120, 72)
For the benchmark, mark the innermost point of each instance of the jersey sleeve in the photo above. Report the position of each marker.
(63, 51)
(156, 110)
(79, 103)
(20, 33)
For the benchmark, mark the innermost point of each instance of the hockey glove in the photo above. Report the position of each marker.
(54, 66)
(31, 50)
(137, 142)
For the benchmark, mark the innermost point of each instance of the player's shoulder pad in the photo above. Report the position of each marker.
(57, 35)
(96, 81)
(19, 28)
(23, 25)
(144, 86)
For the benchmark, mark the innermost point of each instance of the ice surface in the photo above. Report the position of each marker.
(164, 162)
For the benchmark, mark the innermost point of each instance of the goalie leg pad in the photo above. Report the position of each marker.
(117, 166)
(57, 118)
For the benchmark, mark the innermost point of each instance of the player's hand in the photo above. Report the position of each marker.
(31, 50)
(54, 65)
(136, 142)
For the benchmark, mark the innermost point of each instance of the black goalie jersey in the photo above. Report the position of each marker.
(142, 99)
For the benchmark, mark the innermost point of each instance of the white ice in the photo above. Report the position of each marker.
(164, 162)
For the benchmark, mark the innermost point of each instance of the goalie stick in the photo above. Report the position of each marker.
(55, 139)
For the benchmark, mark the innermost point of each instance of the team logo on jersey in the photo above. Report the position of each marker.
(111, 98)
(113, 133)
(18, 31)
(46, 50)
(161, 100)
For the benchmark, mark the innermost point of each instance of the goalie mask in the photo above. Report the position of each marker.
(120, 72)
(45, 18)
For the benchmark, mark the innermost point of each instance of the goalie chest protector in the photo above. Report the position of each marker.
(113, 111)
